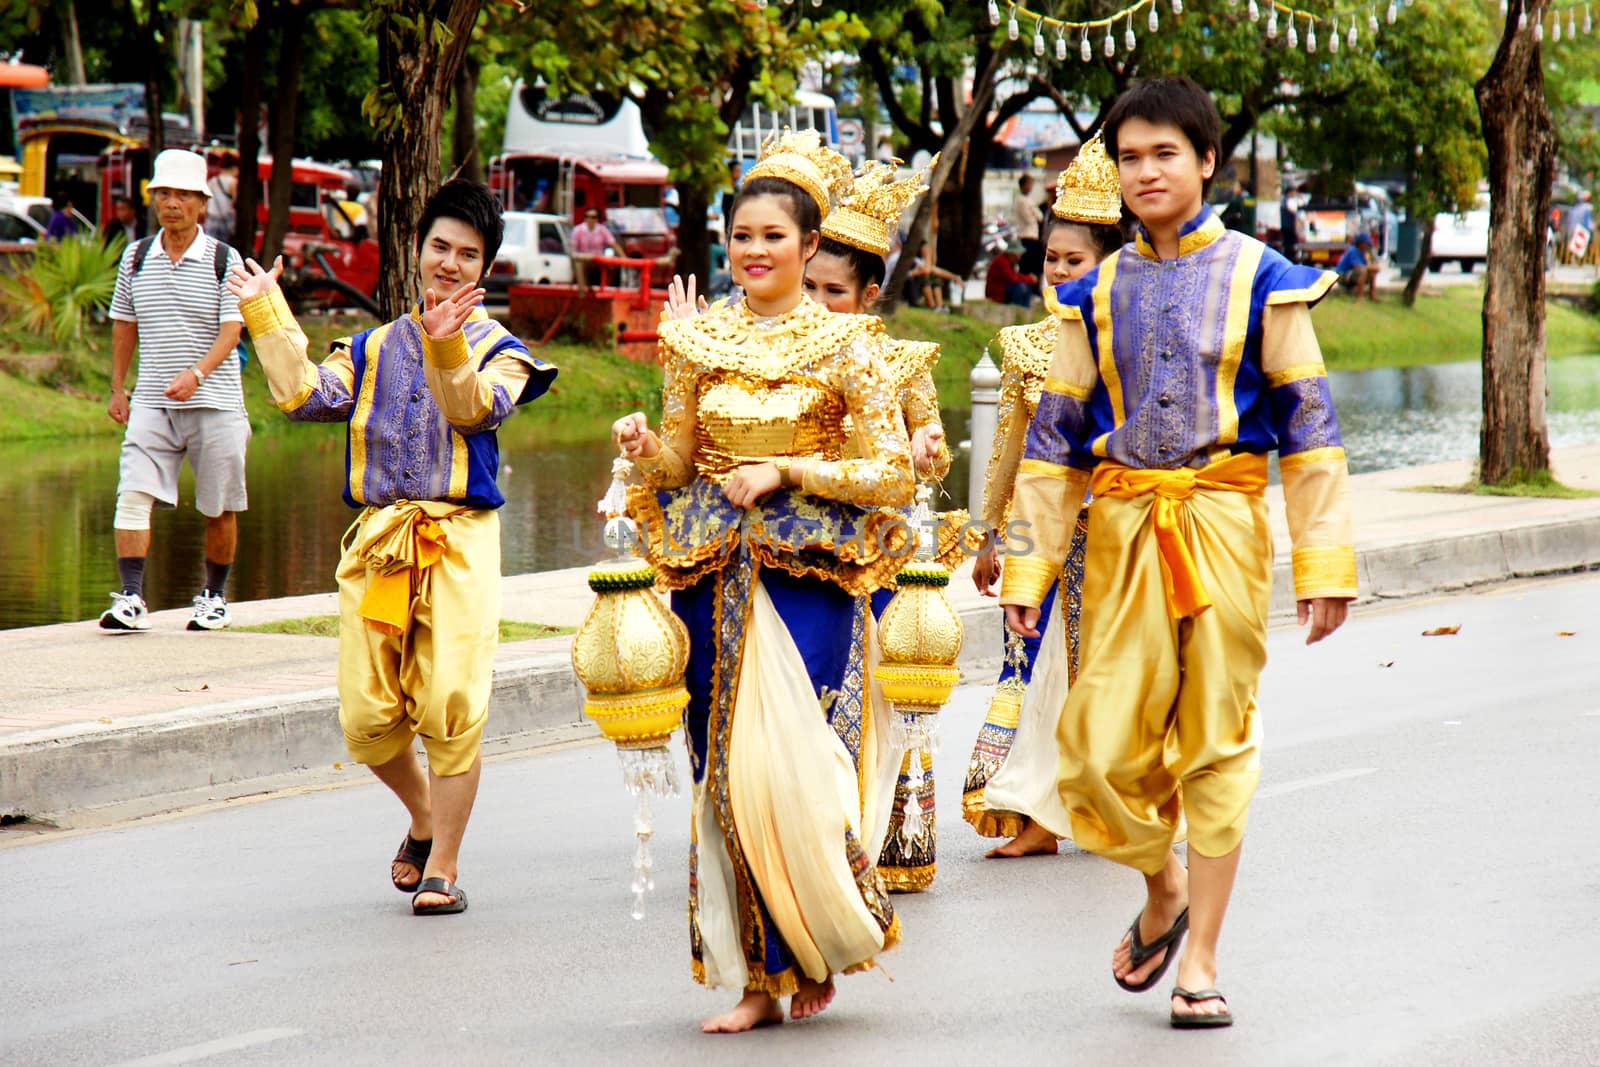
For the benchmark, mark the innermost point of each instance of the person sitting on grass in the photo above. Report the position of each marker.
(928, 278)
(1357, 269)
(1004, 284)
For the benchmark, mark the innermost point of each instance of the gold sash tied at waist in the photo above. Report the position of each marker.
(1243, 473)
(397, 543)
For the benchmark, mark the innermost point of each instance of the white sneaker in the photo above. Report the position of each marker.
(126, 613)
(210, 612)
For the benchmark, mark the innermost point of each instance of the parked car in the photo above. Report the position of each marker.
(17, 226)
(37, 210)
(536, 248)
(1463, 238)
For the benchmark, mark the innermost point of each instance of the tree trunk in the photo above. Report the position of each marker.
(281, 126)
(1515, 443)
(1424, 254)
(464, 134)
(248, 197)
(74, 43)
(694, 247)
(950, 153)
(419, 74)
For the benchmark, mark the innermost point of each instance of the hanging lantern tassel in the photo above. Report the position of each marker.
(1254, 11)
(1393, 13)
(1155, 20)
(1272, 23)
(1293, 38)
(1333, 38)
(1085, 49)
(1111, 43)
(1555, 28)
(1129, 41)
(1038, 38)
(994, 13)
(920, 637)
(1177, 6)
(1013, 31)
(1311, 36)
(1061, 44)
(630, 653)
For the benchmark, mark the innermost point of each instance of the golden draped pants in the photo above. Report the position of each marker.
(1161, 722)
(419, 618)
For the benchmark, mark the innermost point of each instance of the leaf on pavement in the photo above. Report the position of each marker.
(1566, 633)
(1442, 631)
(1386, 663)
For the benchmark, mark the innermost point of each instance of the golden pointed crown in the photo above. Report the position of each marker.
(875, 203)
(802, 159)
(1089, 190)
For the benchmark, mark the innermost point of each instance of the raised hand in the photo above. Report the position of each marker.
(250, 280)
(682, 302)
(442, 318)
(633, 438)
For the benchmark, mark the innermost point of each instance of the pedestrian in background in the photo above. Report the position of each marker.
(171, 306)
(125, 221)
(62, 224)
(1028, 219)
(223, 188)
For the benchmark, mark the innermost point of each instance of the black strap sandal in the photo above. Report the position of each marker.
(1189, 1021)
(443, 886)
(415, 853)
(1141, 953)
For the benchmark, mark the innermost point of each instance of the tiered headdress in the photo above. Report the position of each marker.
(1089, 190)
(802, 159)
(874, 204)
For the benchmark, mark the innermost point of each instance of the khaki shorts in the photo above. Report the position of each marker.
(156, 442)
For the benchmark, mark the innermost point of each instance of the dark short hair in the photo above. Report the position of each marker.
(1024, 179)
(1169, 101)
(1103, 237)
(471, 203)
(797, 203)
(61, 200)
(866, 267)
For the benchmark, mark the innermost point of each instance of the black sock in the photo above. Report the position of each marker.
(216, 576)
(131, 569)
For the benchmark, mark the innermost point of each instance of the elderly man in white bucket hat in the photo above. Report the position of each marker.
(171, 305)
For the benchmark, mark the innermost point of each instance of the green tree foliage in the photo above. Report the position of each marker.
(692, 66)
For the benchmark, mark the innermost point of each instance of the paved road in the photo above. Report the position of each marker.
(1419, 887)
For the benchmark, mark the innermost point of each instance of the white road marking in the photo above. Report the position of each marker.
(1315, 780)
(196, 1053)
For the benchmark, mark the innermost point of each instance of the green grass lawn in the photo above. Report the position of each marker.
(59, 390)
(51, 389)
(328, 626)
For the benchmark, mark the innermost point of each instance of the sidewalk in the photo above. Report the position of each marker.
(142, 722)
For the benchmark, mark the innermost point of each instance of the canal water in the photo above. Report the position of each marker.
(57, 563)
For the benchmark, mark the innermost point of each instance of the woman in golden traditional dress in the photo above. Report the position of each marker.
(1010, 787)
(846, 276)
(770, 540)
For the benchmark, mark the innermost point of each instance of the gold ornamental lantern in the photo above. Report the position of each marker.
(630, 654)
(919, 637)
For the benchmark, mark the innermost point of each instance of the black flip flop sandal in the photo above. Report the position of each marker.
(1141, 953)
(1200, 1022)
(415, 853)
(447, 888)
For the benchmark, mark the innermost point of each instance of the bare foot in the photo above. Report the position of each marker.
(811, 998)
(1034, 840)
(753, 1010)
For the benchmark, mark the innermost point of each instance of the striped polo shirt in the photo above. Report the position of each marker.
(178, 308)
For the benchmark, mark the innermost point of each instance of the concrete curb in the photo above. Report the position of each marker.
(76, 774)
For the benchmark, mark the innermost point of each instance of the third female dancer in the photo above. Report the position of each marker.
(1019, 801)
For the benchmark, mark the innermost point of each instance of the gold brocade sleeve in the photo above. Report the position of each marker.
(281, 346)
(1316, 480)
(882, 477)
(673, 467)
(1010, 434)
(463, 393)
(1048, 496)
(919, 400)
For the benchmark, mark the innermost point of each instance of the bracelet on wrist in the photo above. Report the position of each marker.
(199, 375)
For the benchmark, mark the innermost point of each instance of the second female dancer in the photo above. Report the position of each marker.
(1008, 793)
(846, 276)
(769, 539)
